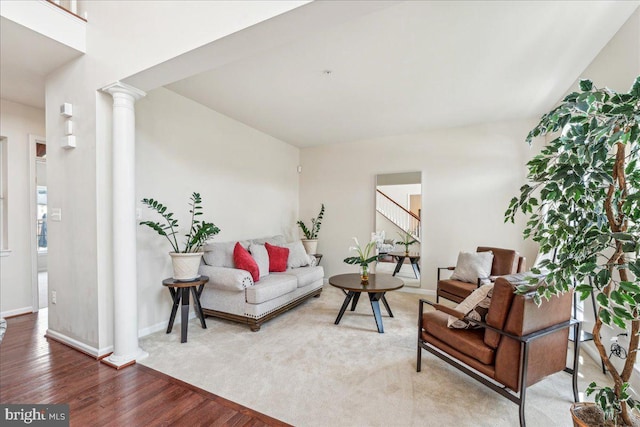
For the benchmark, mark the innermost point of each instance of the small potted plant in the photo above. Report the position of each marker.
(406, 240)
(363, 259)
(310, 241)
(186, 261)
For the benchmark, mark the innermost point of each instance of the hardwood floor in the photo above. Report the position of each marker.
(36, 370)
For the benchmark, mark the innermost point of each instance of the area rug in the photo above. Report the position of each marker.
(303, 369)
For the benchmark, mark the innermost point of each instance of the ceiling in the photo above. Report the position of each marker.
(26, 57)
(411, 67)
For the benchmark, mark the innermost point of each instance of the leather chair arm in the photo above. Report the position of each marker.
(448, 310)
(444, 268)
(524, 338)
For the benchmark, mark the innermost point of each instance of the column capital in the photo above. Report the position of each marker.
(119, 87)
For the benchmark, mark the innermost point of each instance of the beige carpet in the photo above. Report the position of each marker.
(303, 369)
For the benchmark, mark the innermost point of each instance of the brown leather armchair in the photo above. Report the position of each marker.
(518, 345)
(505, 261)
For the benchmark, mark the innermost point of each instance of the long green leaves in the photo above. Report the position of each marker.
(199, 231)
(312, 233)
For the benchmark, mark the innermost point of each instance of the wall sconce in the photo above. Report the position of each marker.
(69, 140)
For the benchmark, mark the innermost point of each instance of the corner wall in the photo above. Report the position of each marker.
(469, 174)
(17, 121)
(248, 182)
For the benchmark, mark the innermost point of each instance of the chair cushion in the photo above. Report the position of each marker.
(457, 288)
(466, 341)
(220, 254)
(270, 287)
(505, 261)
(472, 265)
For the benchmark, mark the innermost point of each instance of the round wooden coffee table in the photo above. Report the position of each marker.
(378, 285)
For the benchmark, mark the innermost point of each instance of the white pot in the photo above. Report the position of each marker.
(310, 246)
(185, 266)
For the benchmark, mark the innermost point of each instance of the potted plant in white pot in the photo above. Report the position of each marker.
(186, 260)
(583, 203)
(310, 241)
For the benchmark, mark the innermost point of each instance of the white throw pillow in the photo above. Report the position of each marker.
(297, 255)
(261, 256)
(475, 307)
(472, 266)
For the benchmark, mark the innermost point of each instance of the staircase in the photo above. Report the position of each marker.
(405, 220)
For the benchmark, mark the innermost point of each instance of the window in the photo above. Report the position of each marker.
(4, 246)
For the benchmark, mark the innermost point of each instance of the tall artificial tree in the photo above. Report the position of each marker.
(582, 200)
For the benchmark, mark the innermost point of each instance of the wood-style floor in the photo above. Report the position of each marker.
(36, 370)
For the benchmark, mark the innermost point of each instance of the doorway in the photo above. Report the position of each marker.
(39, 234)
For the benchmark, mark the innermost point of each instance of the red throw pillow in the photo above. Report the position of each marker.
(244, 261)
(278, 257)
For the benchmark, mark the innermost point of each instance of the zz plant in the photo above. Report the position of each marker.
(199, 231)
(582, 200)
(311, 233)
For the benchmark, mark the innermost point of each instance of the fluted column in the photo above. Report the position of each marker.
(125, 303)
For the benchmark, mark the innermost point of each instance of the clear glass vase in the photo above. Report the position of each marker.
(364, 274)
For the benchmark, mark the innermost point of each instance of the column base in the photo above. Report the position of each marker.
(120, 362)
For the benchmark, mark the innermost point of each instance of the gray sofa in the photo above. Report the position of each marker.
(232, 294)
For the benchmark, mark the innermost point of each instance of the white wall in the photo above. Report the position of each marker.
(17, 121)
(468, 177)
(247, 179)
(80, 246)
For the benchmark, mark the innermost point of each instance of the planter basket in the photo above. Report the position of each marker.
(186, 265)
(311, 246)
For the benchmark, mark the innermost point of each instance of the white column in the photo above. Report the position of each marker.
(125, 302)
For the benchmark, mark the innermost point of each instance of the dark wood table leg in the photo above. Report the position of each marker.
(375, 306)
(185, 314)
(197, 307)
(386, 305)
(345, 304)
(416, 268)
(175, 296)
(399, 265)
(356, 297)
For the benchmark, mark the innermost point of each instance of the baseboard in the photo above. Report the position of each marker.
(77, 345)
(17, 312)
(420, 291)
(162, 326)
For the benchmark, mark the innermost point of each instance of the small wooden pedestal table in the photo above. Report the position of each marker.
(414, 259)
(377, 286)
(180, 292)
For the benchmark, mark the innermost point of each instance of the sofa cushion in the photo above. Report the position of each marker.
(270, 287)
(278, 256)
(277, 240)
(475, 307)
(220, 254)
(467, 341)
(305, 275)
(244, 261)
(297, 255)
(259, 253)
(472, 266)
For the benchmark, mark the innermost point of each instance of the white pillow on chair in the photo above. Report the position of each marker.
(473, 265)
